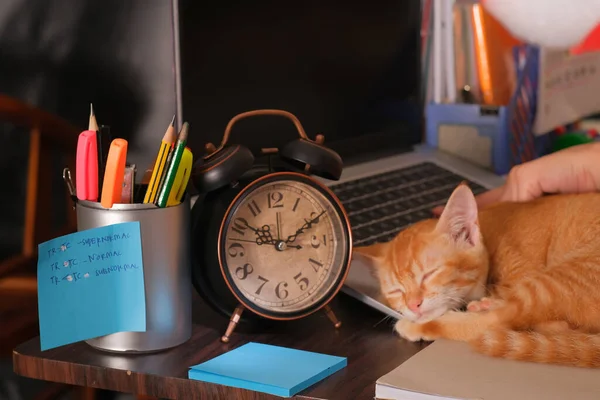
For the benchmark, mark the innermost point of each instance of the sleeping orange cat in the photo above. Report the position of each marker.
(529, 274)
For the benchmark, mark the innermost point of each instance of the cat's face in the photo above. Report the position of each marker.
(434, 265)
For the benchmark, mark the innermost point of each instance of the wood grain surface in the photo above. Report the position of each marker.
(365, 338)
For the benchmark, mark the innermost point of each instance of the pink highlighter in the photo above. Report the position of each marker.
(86, 171)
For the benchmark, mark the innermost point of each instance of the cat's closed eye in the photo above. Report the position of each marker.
(429, 274)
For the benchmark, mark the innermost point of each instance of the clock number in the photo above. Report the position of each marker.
(315, 243)
(274, 199)
(240, 225)
(243, 272)
(264, 282)
(235, 249)
(296, 204)
(254, 208)
(281, 293)
(302, 282)
(315, 264)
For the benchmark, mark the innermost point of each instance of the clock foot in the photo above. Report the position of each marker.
(336, 322)
(233, 321)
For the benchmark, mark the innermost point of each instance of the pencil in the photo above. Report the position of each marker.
(165, 189)
(92, 124)
(160, 163)
(161, 181)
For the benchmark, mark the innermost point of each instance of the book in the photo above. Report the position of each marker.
(467, 81)
(493, 53)
(269, 369)
(451, 370)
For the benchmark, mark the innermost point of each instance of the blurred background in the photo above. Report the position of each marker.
(59, 56)
(136, 60)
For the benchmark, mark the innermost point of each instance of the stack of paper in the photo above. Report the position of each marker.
(269, 369)
(451, 370)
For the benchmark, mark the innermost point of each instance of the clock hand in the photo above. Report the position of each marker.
(307, 225)
(248, 225)
(241, 240)
(278, 215)
(263, 234)
(280, 244)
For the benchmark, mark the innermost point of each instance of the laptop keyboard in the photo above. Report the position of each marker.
(380, 206)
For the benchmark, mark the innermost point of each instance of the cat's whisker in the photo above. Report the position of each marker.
(387, 317)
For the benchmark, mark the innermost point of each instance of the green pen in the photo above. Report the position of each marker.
(163, 194)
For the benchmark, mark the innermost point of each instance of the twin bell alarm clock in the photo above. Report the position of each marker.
(269, 240)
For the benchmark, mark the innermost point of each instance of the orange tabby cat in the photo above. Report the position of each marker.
(528, 272)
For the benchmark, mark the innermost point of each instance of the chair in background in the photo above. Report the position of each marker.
(52, 146)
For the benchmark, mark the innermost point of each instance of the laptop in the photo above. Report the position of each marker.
(348, 70)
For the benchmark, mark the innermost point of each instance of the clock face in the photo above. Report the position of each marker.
(284, 245)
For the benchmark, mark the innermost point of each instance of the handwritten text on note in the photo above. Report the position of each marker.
(90, 284)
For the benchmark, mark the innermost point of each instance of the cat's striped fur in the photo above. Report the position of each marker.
(529, 274)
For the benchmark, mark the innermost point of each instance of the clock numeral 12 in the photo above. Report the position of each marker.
(274, 199)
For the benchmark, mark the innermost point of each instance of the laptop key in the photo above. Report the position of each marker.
(381, 205)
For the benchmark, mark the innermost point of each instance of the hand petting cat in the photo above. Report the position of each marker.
(575, 169)
(526, 266)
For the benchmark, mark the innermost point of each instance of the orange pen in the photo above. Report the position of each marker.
(114, 173)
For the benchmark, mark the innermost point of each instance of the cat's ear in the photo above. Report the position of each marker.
(373, 256)
(459, 218)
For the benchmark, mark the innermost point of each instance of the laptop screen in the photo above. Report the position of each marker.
(348, 70)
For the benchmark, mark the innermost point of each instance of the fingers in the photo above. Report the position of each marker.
(575, 169)
(490, 197)
(437, 211)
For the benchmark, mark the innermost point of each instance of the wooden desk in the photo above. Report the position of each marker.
(368, 342)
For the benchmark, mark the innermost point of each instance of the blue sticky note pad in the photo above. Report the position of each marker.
(90, 284)
(269, 369)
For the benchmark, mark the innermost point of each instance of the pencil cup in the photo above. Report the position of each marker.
(165, 237)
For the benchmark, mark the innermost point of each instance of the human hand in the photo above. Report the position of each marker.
(575, 169)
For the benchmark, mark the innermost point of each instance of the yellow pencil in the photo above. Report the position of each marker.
(161, 160)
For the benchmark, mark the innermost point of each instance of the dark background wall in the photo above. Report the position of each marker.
(342, 68)
(62, 55)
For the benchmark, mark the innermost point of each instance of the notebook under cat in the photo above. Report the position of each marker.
(349, 70)
(451, 370)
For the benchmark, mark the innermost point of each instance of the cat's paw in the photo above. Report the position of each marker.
(484, 304)
(412, 331)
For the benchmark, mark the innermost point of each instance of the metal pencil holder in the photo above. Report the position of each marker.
(165, 236)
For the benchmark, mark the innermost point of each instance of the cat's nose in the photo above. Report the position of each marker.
(414, 304)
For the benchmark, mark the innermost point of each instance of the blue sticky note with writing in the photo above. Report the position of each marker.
(90, 284)
(269, 369)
